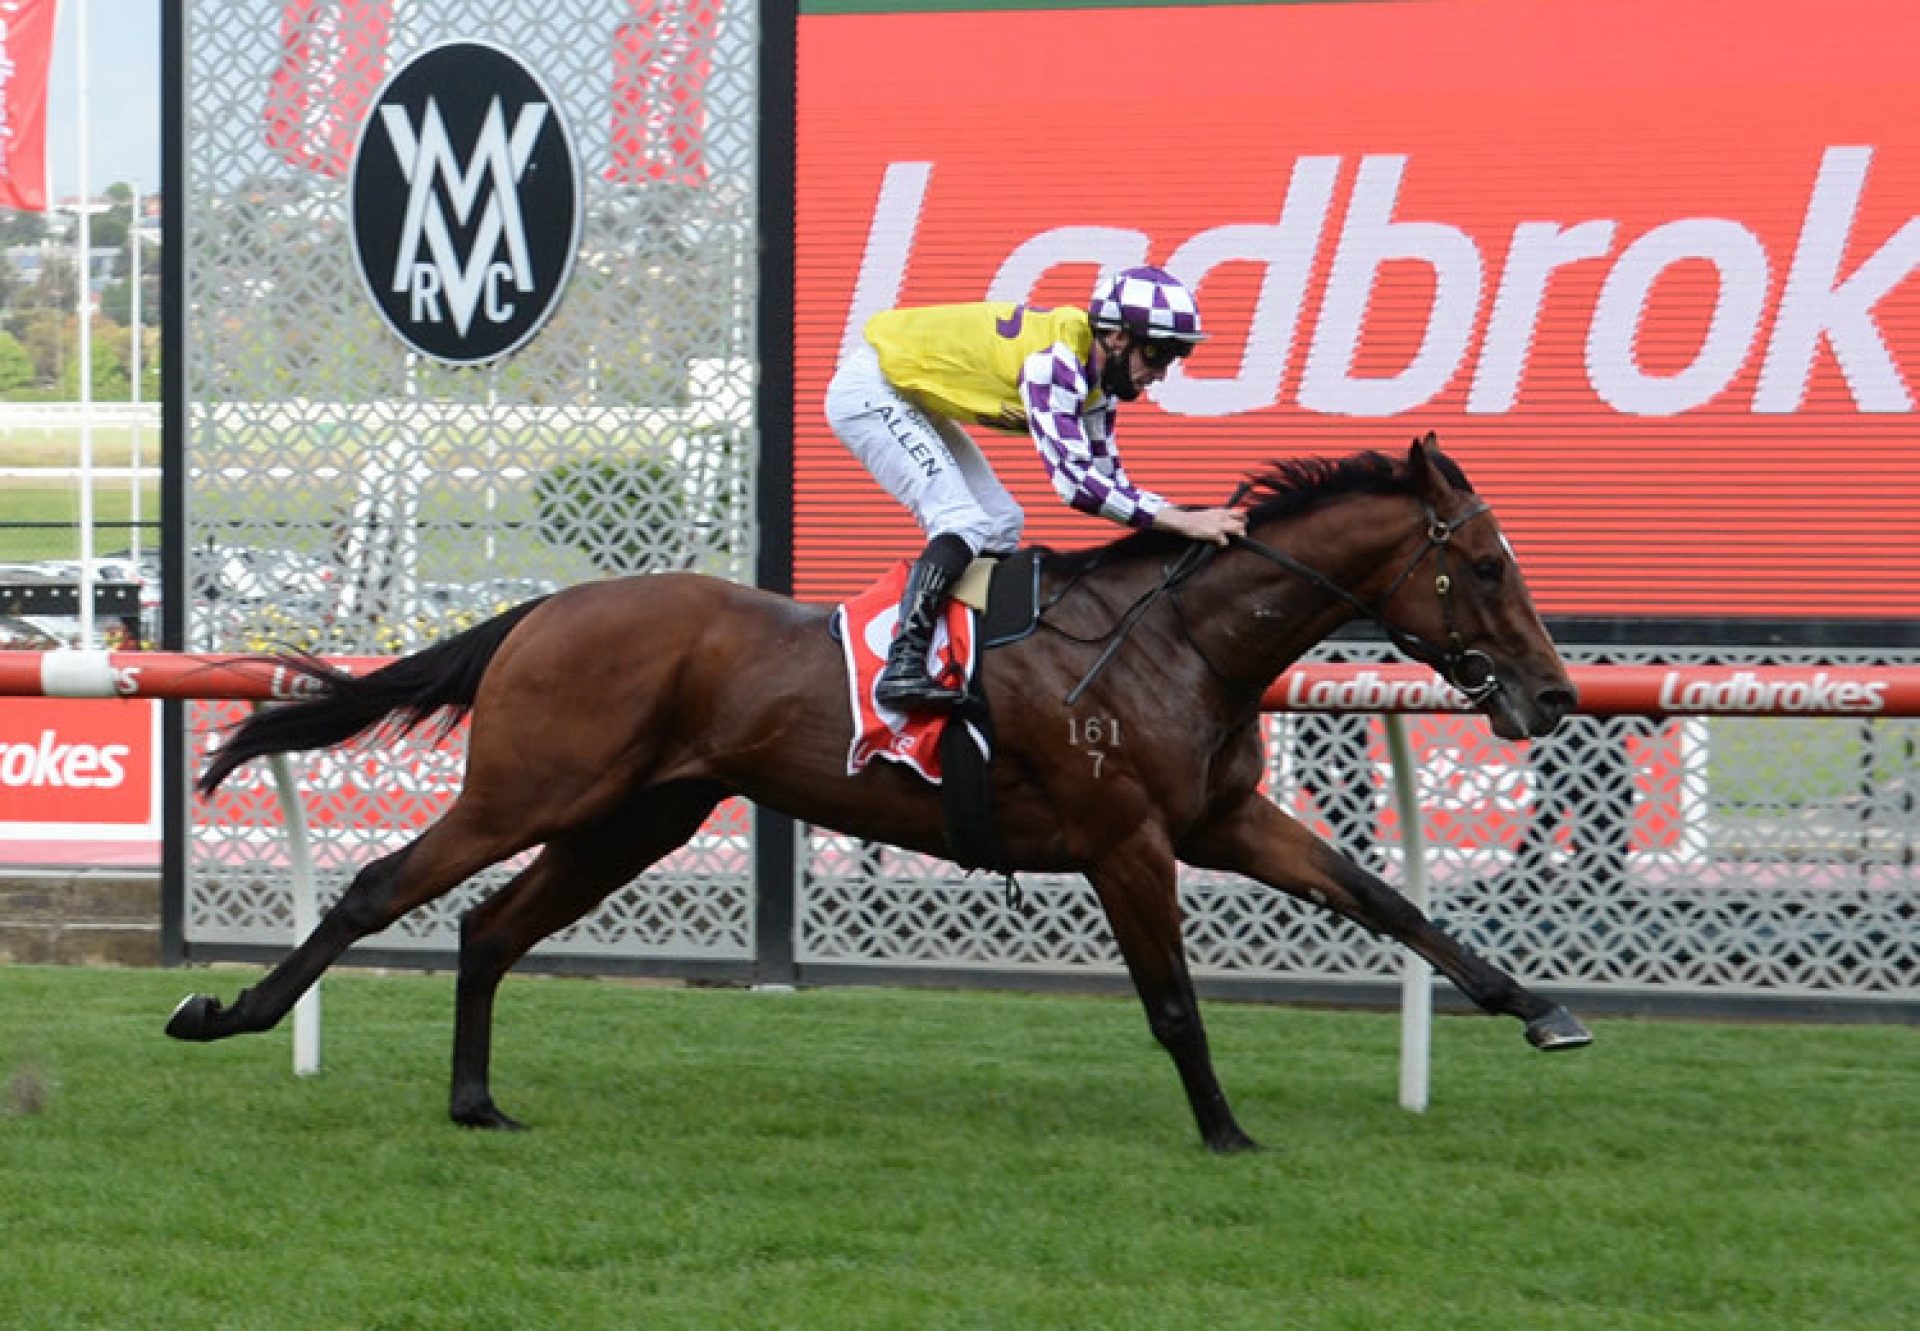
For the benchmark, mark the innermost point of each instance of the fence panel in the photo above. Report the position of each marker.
(1725, 859)
(1670, 851)
(348, 493)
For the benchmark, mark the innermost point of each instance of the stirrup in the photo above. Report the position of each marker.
(917, 693)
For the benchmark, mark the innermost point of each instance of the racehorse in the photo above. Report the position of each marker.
(610, 718)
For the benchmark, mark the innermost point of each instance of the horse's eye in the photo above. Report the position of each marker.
(1489, 569)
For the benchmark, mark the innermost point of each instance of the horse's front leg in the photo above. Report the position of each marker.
(1136, 885)
(1258, 841)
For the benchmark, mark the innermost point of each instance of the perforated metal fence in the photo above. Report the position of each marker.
(350, 494)
(1724, 860)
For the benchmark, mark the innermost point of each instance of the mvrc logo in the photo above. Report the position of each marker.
(466, 203)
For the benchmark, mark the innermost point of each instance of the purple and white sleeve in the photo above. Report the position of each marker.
(1077, 446)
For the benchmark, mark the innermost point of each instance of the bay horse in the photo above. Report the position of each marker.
(609, 719)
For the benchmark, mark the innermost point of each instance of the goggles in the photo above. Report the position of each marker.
(1158, 354)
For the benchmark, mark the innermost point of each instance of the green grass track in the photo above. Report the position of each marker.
(866, 1158)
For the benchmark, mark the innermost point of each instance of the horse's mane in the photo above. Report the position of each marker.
(1285, 487)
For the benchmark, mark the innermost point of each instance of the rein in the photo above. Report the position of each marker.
(1469, 670)
(1194, 558)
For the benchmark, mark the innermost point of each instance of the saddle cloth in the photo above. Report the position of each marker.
(865, 627)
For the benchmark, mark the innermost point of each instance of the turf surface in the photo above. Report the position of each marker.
(849, 1159)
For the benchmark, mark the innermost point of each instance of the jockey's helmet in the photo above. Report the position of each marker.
(1150, 303)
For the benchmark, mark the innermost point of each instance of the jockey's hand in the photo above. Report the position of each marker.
(1202, 524)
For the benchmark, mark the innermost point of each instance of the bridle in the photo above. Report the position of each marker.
(1468, 669)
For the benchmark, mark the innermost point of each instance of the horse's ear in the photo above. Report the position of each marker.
(1423, 466)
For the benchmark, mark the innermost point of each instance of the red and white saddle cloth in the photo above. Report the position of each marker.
(866, 626)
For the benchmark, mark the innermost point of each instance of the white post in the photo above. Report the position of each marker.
(85, 233)
(1416, 977)
(491, 462)
(1696, 810)
(133, 369)
(306, 913)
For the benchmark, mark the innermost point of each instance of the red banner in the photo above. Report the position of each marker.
(333, 56)
(1647, 268)
(26, 51)
(662, 59)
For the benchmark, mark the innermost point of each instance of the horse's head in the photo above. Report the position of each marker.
(1461, 605)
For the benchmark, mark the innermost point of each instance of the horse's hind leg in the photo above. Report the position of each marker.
(442, 858)
(1259, 841)
(571, 876)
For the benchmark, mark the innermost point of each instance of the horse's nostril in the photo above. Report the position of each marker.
(1558, 702)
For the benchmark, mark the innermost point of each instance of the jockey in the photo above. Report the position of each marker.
(899, 399)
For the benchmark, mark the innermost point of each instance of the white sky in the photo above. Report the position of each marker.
(123, 131)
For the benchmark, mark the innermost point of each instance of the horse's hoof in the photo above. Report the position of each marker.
(486, 1115)
(1558, 1029)
(1235, 1142)
(193, 1019)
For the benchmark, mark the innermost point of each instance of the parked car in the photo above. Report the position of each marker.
(251, 575)
(24, 633)
(44, 597)
(484, 597)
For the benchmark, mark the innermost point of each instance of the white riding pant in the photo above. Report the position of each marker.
(926, 461)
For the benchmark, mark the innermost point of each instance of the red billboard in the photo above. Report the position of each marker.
(1646, 268)
(75, 774)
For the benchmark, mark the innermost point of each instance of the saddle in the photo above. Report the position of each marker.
(1009, 610)
(1003, 597)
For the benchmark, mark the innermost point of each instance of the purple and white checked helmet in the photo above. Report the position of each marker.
(1149, 303)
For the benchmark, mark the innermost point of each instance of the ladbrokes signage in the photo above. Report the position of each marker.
(73, 768)
(1653, 285)
(466, 203)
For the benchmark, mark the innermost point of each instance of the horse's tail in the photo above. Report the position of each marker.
(443, 676)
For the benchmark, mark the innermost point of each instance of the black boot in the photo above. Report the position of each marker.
(905, 684)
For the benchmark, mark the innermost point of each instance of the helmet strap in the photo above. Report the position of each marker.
(1116, 376)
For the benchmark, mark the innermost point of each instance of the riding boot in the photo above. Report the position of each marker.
(905, 684)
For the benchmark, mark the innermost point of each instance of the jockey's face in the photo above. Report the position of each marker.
(1138, 364)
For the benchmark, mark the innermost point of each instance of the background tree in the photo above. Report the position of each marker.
(22, 228)
(55, 288)
(48, 337)
(108, 348)
(16, 367)
(108, 231)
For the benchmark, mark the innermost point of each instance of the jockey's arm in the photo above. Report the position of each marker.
(1076, 444)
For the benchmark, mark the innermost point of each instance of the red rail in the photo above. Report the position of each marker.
(1604, 690)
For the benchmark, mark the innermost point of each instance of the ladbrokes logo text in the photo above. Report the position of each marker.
(52, 763)
(1829, 288)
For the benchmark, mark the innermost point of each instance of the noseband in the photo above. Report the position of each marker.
(1469, 670)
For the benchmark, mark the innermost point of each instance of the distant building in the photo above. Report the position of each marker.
(29, 260)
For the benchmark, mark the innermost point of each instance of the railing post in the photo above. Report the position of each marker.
(306, 912)
(1416, 977)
